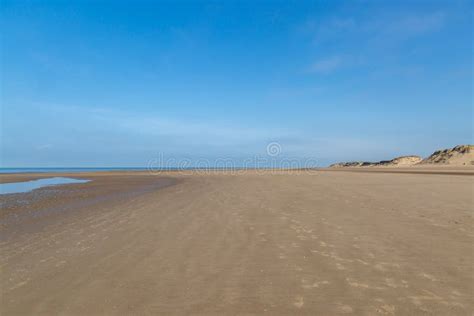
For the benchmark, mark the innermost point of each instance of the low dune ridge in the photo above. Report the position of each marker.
(460, 155)
(350, 164)
(398, 161)
(402, 161)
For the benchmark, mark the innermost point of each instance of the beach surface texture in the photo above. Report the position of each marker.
(321, 242)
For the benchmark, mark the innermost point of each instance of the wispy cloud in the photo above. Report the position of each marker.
(44, 146)
(211, 131)
(414, 25)
(324, 29)
(400, 25)
(177, 134)
(326, 66)
(142, 134)
(359, 42)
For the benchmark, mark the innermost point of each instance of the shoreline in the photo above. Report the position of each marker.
(35, 209)
(425, 169)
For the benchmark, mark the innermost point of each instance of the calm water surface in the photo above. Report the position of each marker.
(27, 186)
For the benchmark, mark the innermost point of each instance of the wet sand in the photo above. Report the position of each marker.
(281, 243)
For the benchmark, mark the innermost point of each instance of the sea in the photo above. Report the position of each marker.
(60, 170)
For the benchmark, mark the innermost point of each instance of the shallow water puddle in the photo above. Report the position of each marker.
(27, 186)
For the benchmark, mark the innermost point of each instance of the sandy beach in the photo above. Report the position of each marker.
(248, 243)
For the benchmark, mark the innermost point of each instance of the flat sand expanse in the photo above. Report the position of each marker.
(280, 243)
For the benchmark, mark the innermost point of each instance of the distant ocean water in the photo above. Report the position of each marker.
(34, 170)
(71, 170)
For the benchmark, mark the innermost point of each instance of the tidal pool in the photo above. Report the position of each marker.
(27, 186)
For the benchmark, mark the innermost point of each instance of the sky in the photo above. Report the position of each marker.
(120, 83)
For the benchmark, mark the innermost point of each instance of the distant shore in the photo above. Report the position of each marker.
(87, 172)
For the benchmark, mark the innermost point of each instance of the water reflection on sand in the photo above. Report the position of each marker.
(27, 186)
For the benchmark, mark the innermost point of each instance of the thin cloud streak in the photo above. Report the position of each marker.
(326, 66)
(414, 25)
(379, 36)
(172, 131)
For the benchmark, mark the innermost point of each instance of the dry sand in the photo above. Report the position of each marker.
(281, 243)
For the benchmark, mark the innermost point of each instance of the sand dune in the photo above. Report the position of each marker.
(462, 155)
(401, 161)
(459, 156)
(282, 243)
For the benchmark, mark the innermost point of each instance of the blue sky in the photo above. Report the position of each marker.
(115, 83)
